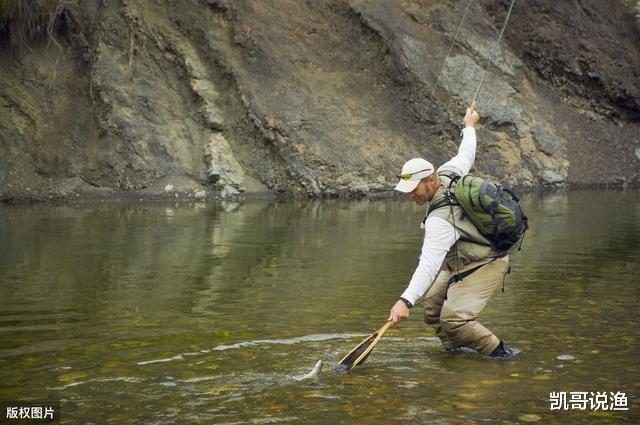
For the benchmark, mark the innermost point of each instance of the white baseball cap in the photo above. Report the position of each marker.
(413, 171)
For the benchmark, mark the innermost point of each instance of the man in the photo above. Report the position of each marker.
(458, 270)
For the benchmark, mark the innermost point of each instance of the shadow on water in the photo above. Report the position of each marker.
(163, 313)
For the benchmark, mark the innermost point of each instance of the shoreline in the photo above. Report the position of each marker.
(214, 198)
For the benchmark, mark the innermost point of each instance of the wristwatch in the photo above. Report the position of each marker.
(406, 302)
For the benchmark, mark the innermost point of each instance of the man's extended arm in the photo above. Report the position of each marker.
(463, 161)
(439, 236)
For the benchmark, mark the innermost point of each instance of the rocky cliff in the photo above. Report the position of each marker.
(322, 97)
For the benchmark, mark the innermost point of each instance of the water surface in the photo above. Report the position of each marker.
(186, 313)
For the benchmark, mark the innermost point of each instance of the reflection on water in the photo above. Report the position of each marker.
(165, 314)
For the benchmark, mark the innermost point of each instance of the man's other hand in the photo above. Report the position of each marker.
(399, 312)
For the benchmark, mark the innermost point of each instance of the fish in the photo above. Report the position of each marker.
(314, 372)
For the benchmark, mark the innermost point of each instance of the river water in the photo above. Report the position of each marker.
(126, 313)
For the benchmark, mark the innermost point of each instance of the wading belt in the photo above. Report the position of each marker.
(460, 276)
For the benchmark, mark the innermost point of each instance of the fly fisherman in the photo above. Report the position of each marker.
(458, 270)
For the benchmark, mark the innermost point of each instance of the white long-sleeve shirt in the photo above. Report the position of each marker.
(439, 234)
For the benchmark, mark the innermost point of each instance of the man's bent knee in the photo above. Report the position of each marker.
(451, 325)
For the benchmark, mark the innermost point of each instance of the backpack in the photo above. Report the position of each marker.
(493, 208)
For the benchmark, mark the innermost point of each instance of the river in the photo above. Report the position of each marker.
(160, 314)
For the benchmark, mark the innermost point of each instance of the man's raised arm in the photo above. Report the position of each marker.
(463, 161)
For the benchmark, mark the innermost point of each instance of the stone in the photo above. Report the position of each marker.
(221, 5)
(212, 116)
(223, 168)
(204, 89)
(213, 173)
(302, 117)
(552, 178)
(565, 357)
(546, 141)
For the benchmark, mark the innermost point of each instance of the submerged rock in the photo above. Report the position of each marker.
(565, 357)
(529, 417)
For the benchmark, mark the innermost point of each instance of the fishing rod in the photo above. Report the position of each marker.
(493, 52)
(455, 39)
(489, 61)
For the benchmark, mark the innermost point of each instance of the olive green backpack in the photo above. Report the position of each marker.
(493, 208)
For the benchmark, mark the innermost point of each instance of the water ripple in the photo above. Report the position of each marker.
(288, 341)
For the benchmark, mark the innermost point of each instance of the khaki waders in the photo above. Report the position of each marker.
(453, 311)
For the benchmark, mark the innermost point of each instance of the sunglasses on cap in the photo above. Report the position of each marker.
(408, 176)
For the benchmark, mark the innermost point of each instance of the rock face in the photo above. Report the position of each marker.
(221, 98)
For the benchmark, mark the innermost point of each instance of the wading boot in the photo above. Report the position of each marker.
(503, 352)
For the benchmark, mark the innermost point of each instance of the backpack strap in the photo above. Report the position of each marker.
(452, 175)
(444, 202)
(449, 198)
